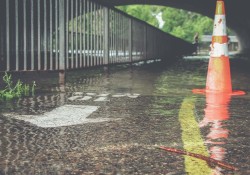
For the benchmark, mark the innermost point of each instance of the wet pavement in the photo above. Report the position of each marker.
(111, 122)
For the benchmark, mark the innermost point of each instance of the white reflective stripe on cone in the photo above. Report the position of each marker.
(220, 28)
(218, 50)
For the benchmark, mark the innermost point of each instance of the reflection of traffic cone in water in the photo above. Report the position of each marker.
(218, 75)
(216, 112)
(216, 109)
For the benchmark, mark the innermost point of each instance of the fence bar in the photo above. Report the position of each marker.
(7, 35)
(38, 35)
(88, 34)
(80, 34)
(32, 35)
(106, 35)
(98, 34)
(94, 28)
(51, 35)
(115, 30)
(62, 34)
(45, 35)
(84, 33)
(76, 38)
(56, 33)
(115, 39)
(2, 43)
(123, 38)
(17, 35)
(72, 35)
(115, 33)
(102, 38)
(67, 34)
(24, 36)
(130, 35)
(145, 43)
(117, 59)
(111, 26)
(91, 33)
(120, 37)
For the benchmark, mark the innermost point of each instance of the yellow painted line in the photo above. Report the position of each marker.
(192, 139)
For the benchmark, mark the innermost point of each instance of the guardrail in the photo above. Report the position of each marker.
(73, 34)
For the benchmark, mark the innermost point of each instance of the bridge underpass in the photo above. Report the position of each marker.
(236, 12)
(111, 122)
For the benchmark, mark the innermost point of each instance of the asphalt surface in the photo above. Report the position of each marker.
(112, 122)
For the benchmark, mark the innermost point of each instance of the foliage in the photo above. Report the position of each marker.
(178, 22)
(184, 24)
(15, 91)
(143, 12)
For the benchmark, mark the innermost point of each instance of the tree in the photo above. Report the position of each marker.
(143, 12)
(185, 24)
(178, 22)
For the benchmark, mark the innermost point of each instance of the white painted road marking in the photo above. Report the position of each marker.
(66, 115)
(74, 98)
(102, 99)
(85, 98)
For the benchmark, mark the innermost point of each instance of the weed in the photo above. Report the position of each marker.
(15, 91)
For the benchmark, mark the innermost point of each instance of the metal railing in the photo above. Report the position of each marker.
(73, 34)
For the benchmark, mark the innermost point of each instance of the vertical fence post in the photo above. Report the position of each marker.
(1, 44)
(62, 35)
(8, 35)
(106, 35)
(145, 43)
(32, 35)
(17, 34)
(39, 35)
(45, 35)
(130, 49)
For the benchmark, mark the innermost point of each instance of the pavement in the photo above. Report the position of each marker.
(112, 123)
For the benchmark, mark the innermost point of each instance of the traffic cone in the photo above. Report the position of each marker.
(218, 75)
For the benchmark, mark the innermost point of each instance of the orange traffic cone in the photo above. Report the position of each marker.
(218, 75)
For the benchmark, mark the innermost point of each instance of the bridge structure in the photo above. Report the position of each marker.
(58, 35)
(237, 13)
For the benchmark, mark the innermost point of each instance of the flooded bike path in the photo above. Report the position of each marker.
(111, 123)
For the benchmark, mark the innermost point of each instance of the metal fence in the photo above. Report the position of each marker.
(73, 34)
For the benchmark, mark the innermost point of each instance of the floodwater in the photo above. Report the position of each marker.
(112, 122)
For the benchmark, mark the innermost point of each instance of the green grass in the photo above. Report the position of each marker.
(17, 90)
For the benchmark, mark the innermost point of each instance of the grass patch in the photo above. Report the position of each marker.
(17, 90)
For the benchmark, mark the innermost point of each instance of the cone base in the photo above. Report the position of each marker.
(204, 91)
